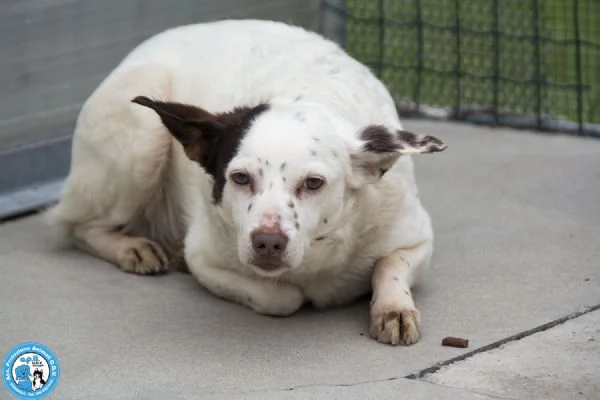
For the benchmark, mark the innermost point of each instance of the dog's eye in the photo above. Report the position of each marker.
(313, 183)
(241, 178)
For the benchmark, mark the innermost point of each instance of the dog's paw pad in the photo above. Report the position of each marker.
(143, 257)
(396, 326)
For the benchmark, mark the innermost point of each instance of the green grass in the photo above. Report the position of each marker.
(435, 63)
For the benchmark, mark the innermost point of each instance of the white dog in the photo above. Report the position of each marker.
(276, 160)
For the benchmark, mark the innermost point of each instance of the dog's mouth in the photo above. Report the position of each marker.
(269, 266)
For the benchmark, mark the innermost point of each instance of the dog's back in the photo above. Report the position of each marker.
(220, 65)
(236, 63)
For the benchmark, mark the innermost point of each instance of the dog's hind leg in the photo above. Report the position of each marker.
(136, 255)
(394, 317)
(114, 203)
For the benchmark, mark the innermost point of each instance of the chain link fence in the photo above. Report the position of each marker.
(520, 63)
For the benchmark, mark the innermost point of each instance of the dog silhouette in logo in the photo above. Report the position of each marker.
(38, 379)
(23, 373)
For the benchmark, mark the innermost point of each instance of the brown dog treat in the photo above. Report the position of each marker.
(455, 342)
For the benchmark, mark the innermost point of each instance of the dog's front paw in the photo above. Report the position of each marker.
(143, 257)
(395, 324)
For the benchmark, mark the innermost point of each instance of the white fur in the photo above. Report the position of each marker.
(132, 192)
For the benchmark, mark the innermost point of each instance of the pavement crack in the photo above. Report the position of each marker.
(436, 367)
(478, 392)
(341, 384)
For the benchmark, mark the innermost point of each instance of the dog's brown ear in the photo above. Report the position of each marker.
(195, 128)
(381, 148)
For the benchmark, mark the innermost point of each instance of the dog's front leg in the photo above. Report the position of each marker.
(263, 295)
(394, 317)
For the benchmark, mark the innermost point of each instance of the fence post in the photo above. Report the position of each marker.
(457, 104)
(496, 60)
(334, 20)
(578, 71)
(381, 44)
(419, 79)
(538, 63)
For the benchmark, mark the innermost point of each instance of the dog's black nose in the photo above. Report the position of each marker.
(268, 244)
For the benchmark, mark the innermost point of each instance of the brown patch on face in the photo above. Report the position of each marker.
(212, 140)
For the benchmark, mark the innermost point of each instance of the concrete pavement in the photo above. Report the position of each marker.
(517, 220)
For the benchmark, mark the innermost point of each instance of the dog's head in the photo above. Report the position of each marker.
(285, 175)
(23, 371)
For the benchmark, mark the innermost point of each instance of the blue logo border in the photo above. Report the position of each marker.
(52, 381)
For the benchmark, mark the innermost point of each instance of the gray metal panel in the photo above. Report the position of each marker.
(55, 52)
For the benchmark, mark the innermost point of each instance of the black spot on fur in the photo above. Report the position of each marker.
(249, 299)
(316, 139)
(283, 165)
(250, 207)
(298, 98)
(325, 221)
(409, 138)
(379, 140)
(297, 225)
(426, 144)
(295, 215)
(320, 238)
(212, 140)
(267, 163)
(335, 154)
(260, 172)
(313, 153)
(284, 180)
(291, 204)
(406, 293)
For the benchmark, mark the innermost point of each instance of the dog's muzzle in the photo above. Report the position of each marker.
(269, 246)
